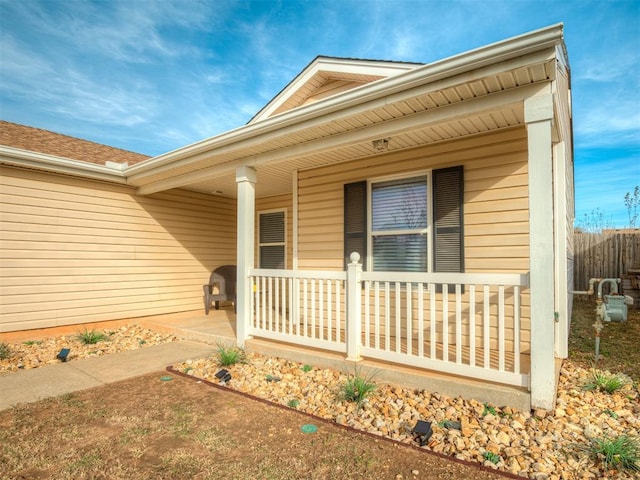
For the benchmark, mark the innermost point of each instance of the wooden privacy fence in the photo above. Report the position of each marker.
(604, 255)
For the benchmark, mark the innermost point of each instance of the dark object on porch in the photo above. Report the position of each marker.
(423, 431)
(64, 353)
(223, 282)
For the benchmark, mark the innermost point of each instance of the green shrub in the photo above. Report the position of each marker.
(293, 403)
(307, 368)
(605, 382)
(620, 453)
(357, 387)
(230, 355)
(91, 337)
(5, 351)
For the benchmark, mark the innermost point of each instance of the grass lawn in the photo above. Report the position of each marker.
(619, 341)
(147, 428)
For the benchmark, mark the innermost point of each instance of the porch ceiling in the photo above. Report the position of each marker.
(275, 177)
(477, 93)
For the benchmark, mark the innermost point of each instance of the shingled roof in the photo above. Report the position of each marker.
(44, 141)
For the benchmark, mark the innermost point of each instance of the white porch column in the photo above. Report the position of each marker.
(538, 113)
(246, 183)
(562, 248)
(354, 314)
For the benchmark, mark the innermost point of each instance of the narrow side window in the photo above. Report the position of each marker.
(272, 235)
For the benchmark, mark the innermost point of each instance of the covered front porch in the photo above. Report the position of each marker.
(479, 130)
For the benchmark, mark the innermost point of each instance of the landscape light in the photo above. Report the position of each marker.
(64, 353)
(223, 375)
(423, 431)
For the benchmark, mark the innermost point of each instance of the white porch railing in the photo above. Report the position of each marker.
(457, 323)
(301, 307)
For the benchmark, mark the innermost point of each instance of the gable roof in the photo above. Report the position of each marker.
(59, 145)
(324, 77)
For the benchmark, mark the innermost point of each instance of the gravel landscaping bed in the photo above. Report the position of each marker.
(541, 444)
(42, 351)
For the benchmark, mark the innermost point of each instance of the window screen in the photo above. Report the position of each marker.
(399, 225)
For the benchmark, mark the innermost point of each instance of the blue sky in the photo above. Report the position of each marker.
(153, 75)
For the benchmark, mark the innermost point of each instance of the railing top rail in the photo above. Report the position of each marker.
(301, 274)
(506, 279)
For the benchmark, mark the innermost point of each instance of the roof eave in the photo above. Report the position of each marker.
(17, 157)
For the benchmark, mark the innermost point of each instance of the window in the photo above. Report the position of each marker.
(415, 224)
(272, 234)
(399, 227)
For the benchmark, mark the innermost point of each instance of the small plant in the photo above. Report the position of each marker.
(620, 453)
(230, 355)
(605, 382)
(293, 403)
(5, 351)
(142, 341)
(357, 388)
(488, 409)
(307, 368)
(32, 342)
(492, 457)
(611, 413)
(452, 424)
(91, 337)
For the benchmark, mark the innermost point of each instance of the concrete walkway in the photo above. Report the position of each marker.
(57, 379)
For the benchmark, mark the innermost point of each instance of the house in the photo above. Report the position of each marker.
(419, 215)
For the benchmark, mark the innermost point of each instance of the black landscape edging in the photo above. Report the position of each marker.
(347, 427)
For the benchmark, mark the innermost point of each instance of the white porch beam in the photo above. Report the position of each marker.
(246, 183)
(538, 118)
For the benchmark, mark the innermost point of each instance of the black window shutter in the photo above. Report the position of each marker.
(448, 221)
(355, 221)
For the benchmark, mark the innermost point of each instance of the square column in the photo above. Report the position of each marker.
(538, 113)
(246, 188)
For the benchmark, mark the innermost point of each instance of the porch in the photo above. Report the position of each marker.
(407, 328)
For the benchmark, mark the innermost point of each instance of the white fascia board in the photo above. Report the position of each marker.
(539, 40)
(17, 157)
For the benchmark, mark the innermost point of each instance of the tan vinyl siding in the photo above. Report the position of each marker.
(495, 207)
(76, 251)
(496, 213)
(331, 87)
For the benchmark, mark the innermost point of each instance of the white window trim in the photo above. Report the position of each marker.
(272, 244)
(426, 231)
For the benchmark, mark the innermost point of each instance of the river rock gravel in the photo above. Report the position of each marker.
(42, 351)
(543, 445)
